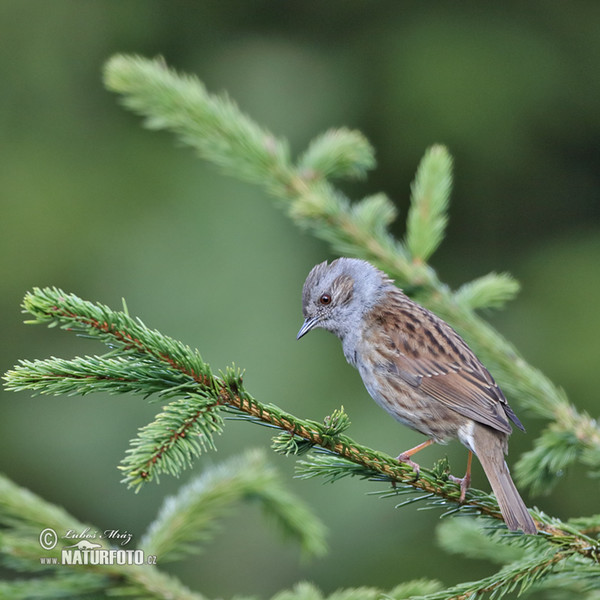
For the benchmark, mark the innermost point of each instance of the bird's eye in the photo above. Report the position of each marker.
(325, 299)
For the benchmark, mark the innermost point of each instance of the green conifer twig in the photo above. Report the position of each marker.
(183, 521)
(193, 415)
(189, 518)
(518, 576)
(23, 515)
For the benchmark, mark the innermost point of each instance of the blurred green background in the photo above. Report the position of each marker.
(93, 203)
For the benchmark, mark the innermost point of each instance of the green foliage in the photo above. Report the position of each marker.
(409, 589)
(554, 450)
(190, 518)
(516, 577)
(214, 126)
(526, 563)
(493, 290)
(184, 523)
(467, 537)
(427, 217)
(331, 468)
(23, 514)
(186, 425)
(338, 153)
(146, 362)
(86, 585)
(179, 434)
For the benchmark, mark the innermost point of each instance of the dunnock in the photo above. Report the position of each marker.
(418, 368)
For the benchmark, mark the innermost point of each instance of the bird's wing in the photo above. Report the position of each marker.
(425, 352)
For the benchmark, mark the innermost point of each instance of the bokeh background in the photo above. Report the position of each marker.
(95, 204)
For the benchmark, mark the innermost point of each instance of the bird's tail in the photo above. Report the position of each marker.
(489, 448)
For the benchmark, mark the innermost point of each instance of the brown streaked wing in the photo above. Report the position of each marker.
(428, 354)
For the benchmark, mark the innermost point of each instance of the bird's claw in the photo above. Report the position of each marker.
(464, 483)
(405, 459)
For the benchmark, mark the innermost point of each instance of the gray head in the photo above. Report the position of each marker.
(336, 296)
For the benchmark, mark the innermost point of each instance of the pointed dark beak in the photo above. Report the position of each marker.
(308, 324)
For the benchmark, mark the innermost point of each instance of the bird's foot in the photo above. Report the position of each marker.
(464, 483)
(405, 459)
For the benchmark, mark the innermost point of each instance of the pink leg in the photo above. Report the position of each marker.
(405, 456)
(465, 481)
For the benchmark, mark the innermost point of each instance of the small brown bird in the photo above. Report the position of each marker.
(418, 368)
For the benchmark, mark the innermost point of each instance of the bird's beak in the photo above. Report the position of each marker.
(309, 323)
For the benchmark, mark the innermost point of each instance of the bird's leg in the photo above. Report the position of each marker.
(465, 481)
(405, 457)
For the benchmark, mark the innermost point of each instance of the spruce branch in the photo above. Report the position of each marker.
(225, 136)
(187, 520)
(518, 576)
(337, 153)
(553, 451)
(178, 435)
(23, 515)
(404, 591)
(427, 217)
(186, 425)
(493, 290)
(570, 572)
(217, 130)
(183, 522)
(469, 538)
(50, 588)
(164, 445)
